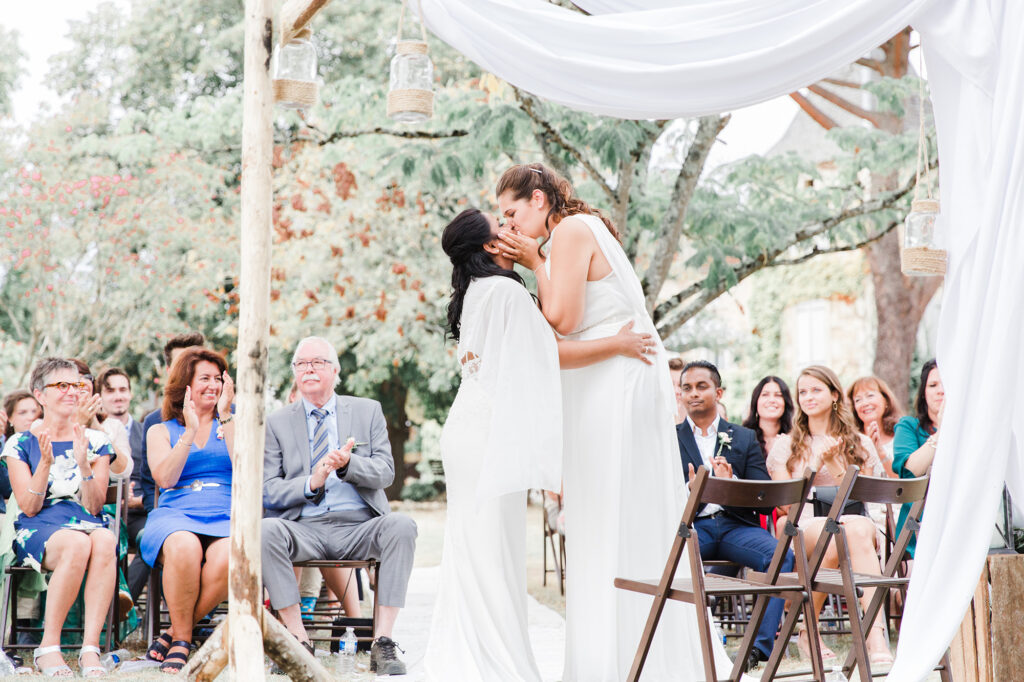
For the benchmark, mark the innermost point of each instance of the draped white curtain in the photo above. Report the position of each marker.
(675, 58)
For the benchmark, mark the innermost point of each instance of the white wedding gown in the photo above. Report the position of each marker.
(503, 435)
(624, 493)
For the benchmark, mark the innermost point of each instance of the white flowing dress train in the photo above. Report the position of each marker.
(509, 377)
(624, 493)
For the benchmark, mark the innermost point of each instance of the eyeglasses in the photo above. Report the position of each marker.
(317, 364)
(64, 386)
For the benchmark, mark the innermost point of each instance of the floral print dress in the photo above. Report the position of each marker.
(61, 508)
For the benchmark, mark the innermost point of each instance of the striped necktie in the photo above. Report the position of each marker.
(320, 444)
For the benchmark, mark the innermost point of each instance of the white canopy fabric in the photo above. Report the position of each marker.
(676, 58)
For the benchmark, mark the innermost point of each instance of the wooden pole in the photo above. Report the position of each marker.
(245, 586)
(296, 14)
(246, 628)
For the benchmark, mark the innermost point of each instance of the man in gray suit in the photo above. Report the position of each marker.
(326, 465)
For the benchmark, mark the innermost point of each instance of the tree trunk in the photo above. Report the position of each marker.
(900, 302)
(393, 396)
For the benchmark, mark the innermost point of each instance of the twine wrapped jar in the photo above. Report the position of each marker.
(920, 255)
(294, 72)
(411, 92)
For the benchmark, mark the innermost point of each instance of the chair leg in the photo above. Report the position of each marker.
(944, 674)
(544, 542)
(858, 634)
(7, 609)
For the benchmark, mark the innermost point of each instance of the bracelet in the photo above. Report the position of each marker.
(227, 420)
(88, 478)
(35, 493)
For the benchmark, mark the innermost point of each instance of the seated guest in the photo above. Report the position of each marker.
(675, 370)
(771, 411)
(20, 410)
(326, 465)
(825, 439)
(60, 484)
(875, 412)
(917, 437)
(729, 451)
(115, 391)
(89, 416)
(190, 455)
(172, 349)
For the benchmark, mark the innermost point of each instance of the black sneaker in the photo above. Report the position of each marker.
(754, 659)
(383, 659)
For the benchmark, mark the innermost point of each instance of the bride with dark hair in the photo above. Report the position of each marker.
(623, 477)
(503, 436)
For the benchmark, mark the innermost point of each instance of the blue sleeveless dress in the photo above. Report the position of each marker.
(191, 505)
(60, 508)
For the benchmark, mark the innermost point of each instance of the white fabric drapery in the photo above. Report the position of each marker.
(674, 58)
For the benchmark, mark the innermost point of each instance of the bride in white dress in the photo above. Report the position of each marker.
(622, 477)
(510, 365)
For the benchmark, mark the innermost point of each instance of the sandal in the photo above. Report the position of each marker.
(174, 661)
(880, 658)
(804, 646)
(90, 670)
(61, 670)
(159, 647)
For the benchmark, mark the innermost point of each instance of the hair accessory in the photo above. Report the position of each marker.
(538, 171)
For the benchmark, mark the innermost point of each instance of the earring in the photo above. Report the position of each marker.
(835, 405)
(756, 415)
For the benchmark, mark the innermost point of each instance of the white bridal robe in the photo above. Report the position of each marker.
(624, 494)
(503, 435)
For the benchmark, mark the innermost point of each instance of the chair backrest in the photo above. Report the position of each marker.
(889, 490)
(747, 493)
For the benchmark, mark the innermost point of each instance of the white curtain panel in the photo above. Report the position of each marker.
(672, 58)
(693, 59)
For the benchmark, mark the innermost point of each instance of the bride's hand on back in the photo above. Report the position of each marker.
(635, 345)
(523, 250)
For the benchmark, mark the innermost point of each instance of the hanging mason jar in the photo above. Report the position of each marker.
(920, 254)
(293, 69)
(411, 92)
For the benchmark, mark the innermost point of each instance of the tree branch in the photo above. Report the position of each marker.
(529, 105)
(670, 314)
(842, 84)
(820, 117)
(325, 139)
(872, 64)
(673, 219)
(819, 251)
(870, 116)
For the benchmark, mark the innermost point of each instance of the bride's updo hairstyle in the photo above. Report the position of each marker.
(523, 179)
(463, 240)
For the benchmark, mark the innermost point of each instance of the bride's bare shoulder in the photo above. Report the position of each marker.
(573, 230)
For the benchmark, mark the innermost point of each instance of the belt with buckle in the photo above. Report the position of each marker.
(197, 486)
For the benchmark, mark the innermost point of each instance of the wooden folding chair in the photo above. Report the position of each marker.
(556, 542)
(700, 589)
(850, 585)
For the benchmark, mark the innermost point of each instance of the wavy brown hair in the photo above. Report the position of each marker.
(523, 179)
(178, 379)
(893, 409)
(840, 424)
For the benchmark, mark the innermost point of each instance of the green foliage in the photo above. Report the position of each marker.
(11, 58)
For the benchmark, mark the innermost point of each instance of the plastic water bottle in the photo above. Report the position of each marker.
(112, 659)
(347, 652)
(835, 675)
(828, 618)
(6, 665)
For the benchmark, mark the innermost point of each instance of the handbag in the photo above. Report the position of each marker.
(824, 496)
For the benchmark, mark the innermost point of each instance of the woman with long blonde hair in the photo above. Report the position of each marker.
(825, 438)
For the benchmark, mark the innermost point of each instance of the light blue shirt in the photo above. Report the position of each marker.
(339, 495)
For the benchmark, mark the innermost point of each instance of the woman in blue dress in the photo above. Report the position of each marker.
(190, 455)
(59, 479)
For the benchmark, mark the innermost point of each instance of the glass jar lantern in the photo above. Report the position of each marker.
(294, 72)
(920, 254)
(411, 93)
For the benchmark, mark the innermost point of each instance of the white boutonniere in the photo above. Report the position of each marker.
(724, 441)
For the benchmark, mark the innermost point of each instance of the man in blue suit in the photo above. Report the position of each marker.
(730, 451)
